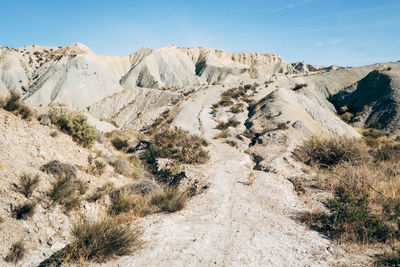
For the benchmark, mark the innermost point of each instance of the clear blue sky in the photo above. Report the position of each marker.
(342, 32)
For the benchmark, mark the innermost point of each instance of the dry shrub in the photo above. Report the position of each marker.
(282, 126)
(230, 123)
(14, 104)
(102, 239)
(179, 144)
(167, 199)
(223, 134)
(329, 152)
(16, 253)
(119, 143)
(24, 211)
(66, 190)
(95, 167)
(27, 183)
(58, 168)
(171, 199)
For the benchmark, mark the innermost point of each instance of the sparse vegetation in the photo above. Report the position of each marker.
(329, 152)
(74, 124)
(250, 179)
(366, 203)
(16, 253)
(14, 104)
(58, 168)
(24, 211)
(351, 219)
(27, 183)
(230, 123)
(66, 190)
(176, 143)
(171, 199)
(222, 134)
(95, 167)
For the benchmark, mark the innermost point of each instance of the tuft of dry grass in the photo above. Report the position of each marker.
(66, 190)
(14, 104)
(27, 183)
(16, 253)
(24, 211)
(222, 134)
(102, 239)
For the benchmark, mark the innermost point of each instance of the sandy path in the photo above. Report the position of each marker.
(231, 224)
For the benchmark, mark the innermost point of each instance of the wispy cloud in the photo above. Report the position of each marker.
(290, 6)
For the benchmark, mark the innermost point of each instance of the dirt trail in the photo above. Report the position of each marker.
(231, 224)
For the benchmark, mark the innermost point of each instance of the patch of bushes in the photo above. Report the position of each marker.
(75, 124)
(102, 239)
(119, 143)
(58, 168)
(332, 151)
(176, 143)
(17, 252)
(121, 166)
(230, 123)
(24, 211)
(14, 104)
(350, 219)
(27, 183)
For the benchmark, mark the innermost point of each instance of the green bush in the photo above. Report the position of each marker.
(74, 124)
(350, 219)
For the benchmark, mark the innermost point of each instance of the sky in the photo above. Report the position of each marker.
(321, 32)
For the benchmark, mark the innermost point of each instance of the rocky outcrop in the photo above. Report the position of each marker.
(373, 101)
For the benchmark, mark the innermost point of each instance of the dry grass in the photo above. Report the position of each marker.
(169, 199)
(95, 167)
(102, 239)
(176, 143)
(232, 122)
(24, 211)
(366, 203)
(66, 190)
(222, 134)
(14, 104)
(16, 253)
(27, 183)
(327, 152)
